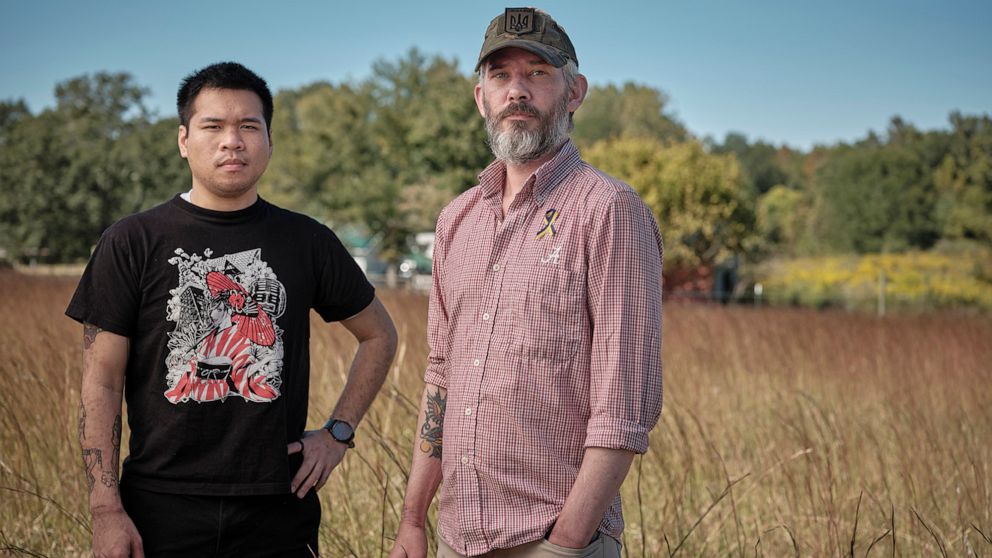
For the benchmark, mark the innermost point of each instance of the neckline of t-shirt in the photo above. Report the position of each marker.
(232, 217)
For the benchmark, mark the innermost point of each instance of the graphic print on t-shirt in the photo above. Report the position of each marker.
(226, 342)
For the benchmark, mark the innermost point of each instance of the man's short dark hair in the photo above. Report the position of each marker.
(223, 75)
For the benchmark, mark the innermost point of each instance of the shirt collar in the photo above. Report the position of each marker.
(540, 184)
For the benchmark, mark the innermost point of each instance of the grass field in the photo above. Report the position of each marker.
(785, 433)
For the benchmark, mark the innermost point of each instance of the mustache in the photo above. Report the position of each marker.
(521, 107)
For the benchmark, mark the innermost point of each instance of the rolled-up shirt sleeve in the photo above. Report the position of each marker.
(625, 264)
(438, 333)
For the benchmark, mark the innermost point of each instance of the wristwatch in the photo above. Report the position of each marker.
(341, 431)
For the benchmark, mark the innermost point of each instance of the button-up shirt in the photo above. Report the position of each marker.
(545, 329)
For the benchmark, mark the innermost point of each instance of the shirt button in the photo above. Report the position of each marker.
(468, 411)
(485, 317)
(476, 362)
(464, 460)
(495, 267)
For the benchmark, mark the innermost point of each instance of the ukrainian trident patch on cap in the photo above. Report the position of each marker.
(518, 21)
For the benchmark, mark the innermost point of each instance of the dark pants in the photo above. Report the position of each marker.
(179, 525)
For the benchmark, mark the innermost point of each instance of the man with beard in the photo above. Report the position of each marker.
(544, 374)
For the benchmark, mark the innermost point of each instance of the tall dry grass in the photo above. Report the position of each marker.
(785, 433)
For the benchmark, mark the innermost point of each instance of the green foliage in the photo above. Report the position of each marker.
(69, 172)
(384, 154)
(630, 111)
(697, 197)
(387, 153)
(875, 197)
(964, 181)
(781, 216)
(764, 165)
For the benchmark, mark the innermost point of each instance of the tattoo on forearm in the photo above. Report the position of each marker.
(93, 457)
(89, 335)
(82, 422)
(109, 478)
(432, 431)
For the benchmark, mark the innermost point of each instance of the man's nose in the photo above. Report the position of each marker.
(518, 90)
(232, 140)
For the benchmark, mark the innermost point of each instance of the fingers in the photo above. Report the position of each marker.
(320, 456)
(398, 551)
(301, 482)
(315, 480)
(322, 480)
(312, 474)
(137, 548)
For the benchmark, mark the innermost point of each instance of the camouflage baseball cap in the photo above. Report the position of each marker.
(530, 29)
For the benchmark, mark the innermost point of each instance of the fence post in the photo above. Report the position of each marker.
(881, 292)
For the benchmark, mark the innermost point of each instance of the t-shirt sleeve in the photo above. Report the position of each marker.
(342, 288)
(108, 293)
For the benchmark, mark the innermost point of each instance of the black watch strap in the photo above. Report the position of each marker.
(341, 431)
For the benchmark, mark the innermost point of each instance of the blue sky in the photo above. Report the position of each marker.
(796, 72)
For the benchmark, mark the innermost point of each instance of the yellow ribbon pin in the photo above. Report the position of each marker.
(548, 227)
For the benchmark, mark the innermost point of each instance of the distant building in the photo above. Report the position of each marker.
(414, 269)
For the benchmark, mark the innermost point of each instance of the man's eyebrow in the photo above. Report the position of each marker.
(536, 61)
(216, 119)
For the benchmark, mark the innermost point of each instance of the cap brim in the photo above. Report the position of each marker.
(550, 54)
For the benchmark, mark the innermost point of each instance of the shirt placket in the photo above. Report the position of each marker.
(471, 501)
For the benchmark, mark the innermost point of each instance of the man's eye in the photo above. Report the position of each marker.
(250, 126)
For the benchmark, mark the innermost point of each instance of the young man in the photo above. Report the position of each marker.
(198, 311)
(544, 375)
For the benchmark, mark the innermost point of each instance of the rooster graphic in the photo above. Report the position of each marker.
(225, 361)
(251, 319)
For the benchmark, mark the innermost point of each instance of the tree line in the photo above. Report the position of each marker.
(385, 154)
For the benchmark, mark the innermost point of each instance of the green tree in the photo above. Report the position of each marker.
(781, 217)
(71, 171)
(879, 196)
(628, 111)
(430, 136)
(385, 154)
(964, 181)
(323, 146)
(11, 112)
(761, 162)
(697, 197)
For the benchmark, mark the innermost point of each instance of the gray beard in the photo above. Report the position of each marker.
(518, 145)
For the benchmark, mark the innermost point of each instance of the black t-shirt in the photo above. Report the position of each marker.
(216, 306)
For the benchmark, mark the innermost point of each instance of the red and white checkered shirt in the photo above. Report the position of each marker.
(545, 328)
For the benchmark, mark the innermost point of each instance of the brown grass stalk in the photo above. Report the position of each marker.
(777, 423)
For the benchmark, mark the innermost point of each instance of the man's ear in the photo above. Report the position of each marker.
(183, 137)
(578, 92)
(480, 101)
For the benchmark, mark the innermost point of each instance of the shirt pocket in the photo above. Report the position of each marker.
(551, 327)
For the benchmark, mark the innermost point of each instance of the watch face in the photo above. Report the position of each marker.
(342, 431)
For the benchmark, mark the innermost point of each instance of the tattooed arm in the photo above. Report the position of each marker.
(104, 361)
(425, 475)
